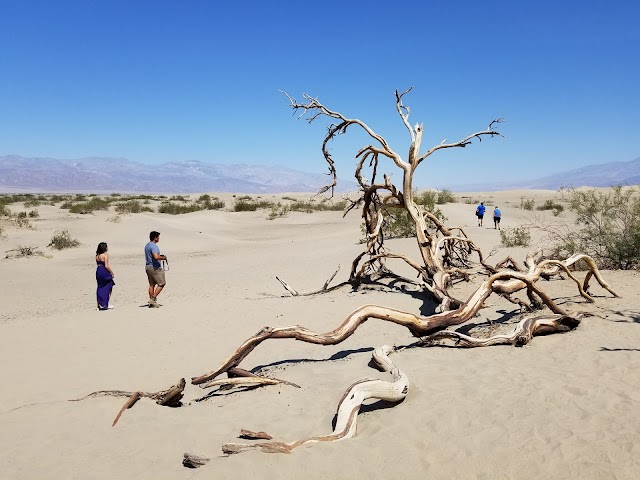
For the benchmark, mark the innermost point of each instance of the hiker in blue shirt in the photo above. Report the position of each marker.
(496, 218)
(480, 213)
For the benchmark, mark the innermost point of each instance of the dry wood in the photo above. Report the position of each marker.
(324, 289)
(254, 435)
(522, 334)
(194, 461)
(170, 397)
(504, 282)
(348, 407)
(129, 403)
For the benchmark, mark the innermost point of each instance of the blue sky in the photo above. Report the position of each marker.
(156, 81)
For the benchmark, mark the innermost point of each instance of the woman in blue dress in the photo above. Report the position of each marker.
(104, 277)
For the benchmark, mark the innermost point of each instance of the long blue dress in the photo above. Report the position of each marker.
(105, 284)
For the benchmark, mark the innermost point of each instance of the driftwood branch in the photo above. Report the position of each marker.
(170, 397)
(520, 336)
(348, 407)
(505, 282)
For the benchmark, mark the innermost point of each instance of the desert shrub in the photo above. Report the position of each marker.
(428, 201)
(80, 197)
(56, 199)
(311, 206)
(34, 202)
(445, 196)
(277, 211)
(34, 213)
(398, 224)
(248, 204)
(89, 206)
(608, 227)
(515, 237)
(178, 198)
(178, 209)
(555, 207)
(4, 211)
(130, 206)
(21, 221)
(21, 215)
(244, 197)
(25, 251)
(114, 195)
(210, 203)
(62, 240)
(289, 198)
(527, 203)
(244, 206)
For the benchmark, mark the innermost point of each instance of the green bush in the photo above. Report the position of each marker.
(244, 206)
(89, 206)
(4, 211)
(210, 203)
(551, 205)
(62, 240)
(20, 215)
(132, 206)
(178, 209)
(278, 210)
(515, 237)
(178, 198)
(32, 203)
(34, 213)
(527, 203)
(445, 196)
(609, 227)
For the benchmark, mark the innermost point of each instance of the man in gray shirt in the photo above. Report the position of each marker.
(153, 267)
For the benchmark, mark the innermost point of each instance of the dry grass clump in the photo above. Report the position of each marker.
(24, 252)
(62, 240)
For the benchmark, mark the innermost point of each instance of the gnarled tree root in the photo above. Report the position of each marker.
(348, 407)
(526, 329)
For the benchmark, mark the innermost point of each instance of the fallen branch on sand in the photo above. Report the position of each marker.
(520, 336)
(170, 397)
(347, 411)
(502, 283)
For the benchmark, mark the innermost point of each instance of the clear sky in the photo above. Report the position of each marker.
(156, 81)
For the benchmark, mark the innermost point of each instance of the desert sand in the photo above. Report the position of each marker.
(563, 407)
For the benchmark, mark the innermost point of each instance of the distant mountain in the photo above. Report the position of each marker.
(601, 175)
(121, 175)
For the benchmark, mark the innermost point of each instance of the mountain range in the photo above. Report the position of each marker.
(98, 174)
(600, 175)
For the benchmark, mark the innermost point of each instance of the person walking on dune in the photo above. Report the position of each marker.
(480, 213)
(496, 217)
(153, 267)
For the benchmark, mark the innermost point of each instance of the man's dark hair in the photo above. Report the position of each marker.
(153, 235)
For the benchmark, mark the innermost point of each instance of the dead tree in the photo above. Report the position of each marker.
(377, 195)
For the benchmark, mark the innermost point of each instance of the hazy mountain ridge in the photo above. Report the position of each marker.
(599, 175)
(119, 174)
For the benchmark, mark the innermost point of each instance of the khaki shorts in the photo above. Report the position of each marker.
(155, 276)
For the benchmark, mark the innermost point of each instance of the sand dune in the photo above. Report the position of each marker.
(563, 407)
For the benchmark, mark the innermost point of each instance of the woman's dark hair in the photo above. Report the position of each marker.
(102, 247)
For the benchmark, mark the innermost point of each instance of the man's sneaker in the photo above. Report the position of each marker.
(154, 305)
